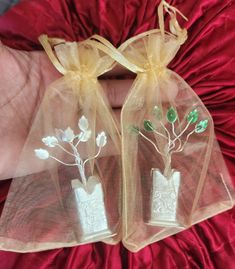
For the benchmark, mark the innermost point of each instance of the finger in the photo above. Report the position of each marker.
(116, 91)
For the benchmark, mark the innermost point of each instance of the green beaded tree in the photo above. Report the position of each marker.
(169, 134)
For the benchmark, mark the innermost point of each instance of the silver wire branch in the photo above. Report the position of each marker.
(150, 141)
(65, 150)
(67, 164)
(175, 135)
(168, 134)
(162, 135)
(92, 158)
(79, 140)
(180, 135)
(79, 163)
(185, 142)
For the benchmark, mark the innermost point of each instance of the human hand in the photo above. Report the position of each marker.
(24, 78)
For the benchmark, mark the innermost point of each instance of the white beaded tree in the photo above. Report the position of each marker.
(68, 137)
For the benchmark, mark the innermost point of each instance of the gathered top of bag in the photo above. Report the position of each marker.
(96, 55)
(154, 49)
(83, 59)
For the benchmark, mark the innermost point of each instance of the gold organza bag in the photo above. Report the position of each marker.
(73, 195)
(173, 171)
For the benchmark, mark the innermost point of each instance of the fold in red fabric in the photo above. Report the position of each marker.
(206, 61)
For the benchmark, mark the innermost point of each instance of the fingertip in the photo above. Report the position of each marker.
(2, 46)
(116, 91)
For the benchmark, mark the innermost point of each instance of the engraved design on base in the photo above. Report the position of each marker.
(91, 209)
(164, 200)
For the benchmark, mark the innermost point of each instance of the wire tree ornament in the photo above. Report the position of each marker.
(73, 140)
(174, 141)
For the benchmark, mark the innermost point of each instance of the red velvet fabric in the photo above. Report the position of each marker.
(206, 61)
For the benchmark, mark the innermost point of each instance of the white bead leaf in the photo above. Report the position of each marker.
(42, 154)
(101, 139)
(50, 141)
(65, 136)
(59, 134)
(68, 135)
(83, 124)
(84, 136)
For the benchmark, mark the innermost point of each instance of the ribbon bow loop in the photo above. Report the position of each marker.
(83, 59)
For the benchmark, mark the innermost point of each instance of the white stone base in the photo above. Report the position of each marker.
(91, 209)
(164, 199)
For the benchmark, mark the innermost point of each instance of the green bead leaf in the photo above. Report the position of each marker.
(148, 126)
(201, 126)
(157, 112)
(171, 115)
(192, 116)
(134, 129)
